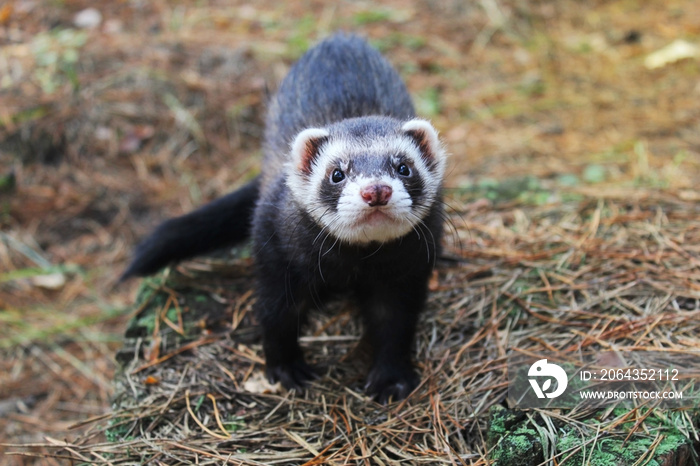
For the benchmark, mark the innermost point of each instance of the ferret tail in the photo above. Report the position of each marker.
(222, 222)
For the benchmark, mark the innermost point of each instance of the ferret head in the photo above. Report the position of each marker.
(367, 179)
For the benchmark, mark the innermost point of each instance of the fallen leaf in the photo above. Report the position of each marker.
(53, 281)
(258, 383)
(677, 50)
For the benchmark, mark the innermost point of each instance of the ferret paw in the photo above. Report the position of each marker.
(391, 383)
(293, 375)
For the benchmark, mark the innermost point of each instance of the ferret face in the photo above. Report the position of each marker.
(367, 179)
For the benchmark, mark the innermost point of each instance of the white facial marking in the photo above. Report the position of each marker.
(303, 143)
(435, 147)
(353, 220)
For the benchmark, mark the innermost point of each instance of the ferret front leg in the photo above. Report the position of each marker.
(281, 317)
(391, 313)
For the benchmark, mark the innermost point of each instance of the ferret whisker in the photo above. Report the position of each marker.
(379, 247)
(420, 225)
(332, 245)
(447, 219)
(318, 260)
(322, 229)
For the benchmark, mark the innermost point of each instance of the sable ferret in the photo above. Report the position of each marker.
(348, 201)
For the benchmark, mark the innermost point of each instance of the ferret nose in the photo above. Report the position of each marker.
(377, 194)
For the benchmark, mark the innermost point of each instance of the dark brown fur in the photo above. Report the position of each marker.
(342, 78)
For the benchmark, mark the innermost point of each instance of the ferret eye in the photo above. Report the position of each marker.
(403, 170)
(337, 176)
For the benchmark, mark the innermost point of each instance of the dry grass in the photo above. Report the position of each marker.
(598, 247)
(597, 274)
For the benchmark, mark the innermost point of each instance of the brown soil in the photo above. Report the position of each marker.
(104, 132)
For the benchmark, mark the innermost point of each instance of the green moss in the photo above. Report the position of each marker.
(56, 54)
(371, 16)
(235, 423)
(511, 440)
(514, 440)
(30, 272)
(671, 443)
(302, 37)
(428, 102)
(594, 173)
(399, 39)
(528, 190)
(119, 430)
(518, 448)
(616, 451)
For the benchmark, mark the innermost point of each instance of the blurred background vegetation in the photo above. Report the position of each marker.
(117, 115)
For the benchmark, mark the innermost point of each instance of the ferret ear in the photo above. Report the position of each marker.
(306, 146)
(426, 138)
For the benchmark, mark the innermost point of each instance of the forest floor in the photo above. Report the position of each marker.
(112, 122)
